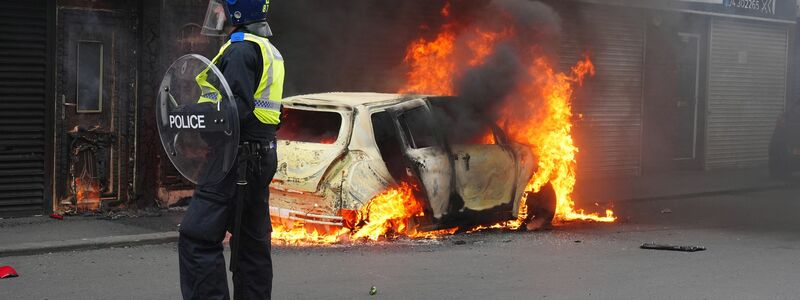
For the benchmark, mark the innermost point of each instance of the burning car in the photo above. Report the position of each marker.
(337, 151)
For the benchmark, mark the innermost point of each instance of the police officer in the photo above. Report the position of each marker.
(254, 70)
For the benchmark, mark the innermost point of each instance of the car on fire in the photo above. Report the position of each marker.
(336, 151)
(784, 148)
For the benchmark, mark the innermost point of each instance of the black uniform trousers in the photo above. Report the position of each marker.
(211, 213)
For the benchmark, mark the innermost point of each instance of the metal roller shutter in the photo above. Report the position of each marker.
(609, 134)
(746, 90)
(23, 85)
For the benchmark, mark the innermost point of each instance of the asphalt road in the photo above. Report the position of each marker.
(752, 242)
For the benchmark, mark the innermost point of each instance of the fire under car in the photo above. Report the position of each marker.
(337, 151)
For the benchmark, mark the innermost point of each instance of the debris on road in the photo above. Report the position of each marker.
(57, 216)
(666, 211)
(373, 290)
(7, 272)
(654, 246)
(459, 242)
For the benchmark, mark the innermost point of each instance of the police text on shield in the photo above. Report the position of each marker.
(187, 121)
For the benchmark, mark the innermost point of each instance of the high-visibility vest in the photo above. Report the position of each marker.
(269, 93)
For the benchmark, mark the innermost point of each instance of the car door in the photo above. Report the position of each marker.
(425, 152)
(485, 174)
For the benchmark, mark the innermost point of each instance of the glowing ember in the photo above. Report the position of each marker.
(87, 194)
(487, 139)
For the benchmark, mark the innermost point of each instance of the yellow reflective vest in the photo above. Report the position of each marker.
(269, 92)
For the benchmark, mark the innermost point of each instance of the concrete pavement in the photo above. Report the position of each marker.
(676, 184)
(42, 234)
(35, 235)
(752, 238)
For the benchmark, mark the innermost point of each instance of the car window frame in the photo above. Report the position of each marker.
(411, 141)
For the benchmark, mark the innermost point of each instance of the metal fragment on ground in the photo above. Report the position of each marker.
(654, 246)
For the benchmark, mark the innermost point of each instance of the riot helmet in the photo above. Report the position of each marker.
(248, 14)
(243, 12)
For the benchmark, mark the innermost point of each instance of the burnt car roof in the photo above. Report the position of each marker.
(349, 99)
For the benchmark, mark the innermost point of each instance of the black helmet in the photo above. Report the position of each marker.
(243, 12)
(237, 13)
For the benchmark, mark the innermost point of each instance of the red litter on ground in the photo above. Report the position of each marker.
(57, 216)
(7, 272)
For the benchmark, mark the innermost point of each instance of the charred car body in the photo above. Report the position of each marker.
(337, 151)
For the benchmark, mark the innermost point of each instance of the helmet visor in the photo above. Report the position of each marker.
(214, 24)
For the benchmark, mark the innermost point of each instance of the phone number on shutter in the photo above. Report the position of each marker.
(767, 6)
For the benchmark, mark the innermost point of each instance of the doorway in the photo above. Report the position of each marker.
(674, 96)
(687, 95)
(94, 91)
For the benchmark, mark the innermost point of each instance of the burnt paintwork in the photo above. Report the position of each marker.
(315, 182)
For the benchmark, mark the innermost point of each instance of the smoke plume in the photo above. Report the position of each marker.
(527, 30)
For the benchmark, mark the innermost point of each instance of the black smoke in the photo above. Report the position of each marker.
(484, 89)
(360, 45)
(353, 45)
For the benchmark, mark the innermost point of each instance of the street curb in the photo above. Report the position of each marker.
(751, 189)
(27, 249)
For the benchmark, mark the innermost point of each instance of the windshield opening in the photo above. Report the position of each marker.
(310, 126)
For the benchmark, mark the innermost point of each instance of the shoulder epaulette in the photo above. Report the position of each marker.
(237, 37)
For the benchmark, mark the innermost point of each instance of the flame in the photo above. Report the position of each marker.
(446, 10)
(487, 139)
(549, 132)
(483, 42)
(87, 194)
(299, 235)
(432, 65)
(386, 216)
(328, 141)
(543, 122)
(390, 212)
(435, 65)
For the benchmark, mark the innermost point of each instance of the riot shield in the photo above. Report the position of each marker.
(197, 120)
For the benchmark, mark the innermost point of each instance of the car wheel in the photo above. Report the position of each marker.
(541, 208)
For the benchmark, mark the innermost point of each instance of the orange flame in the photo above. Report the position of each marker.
(87, 194)
(386, 216)
(543, 121)
(549, 132)
(483, 42)
(390, 212)
(301, 236)
(431, 65)
(435, 66)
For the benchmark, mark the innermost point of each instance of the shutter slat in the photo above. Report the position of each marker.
(744, 97)
(612, 113)
(23, 80)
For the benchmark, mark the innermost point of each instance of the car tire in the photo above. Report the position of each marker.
(541, 208)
